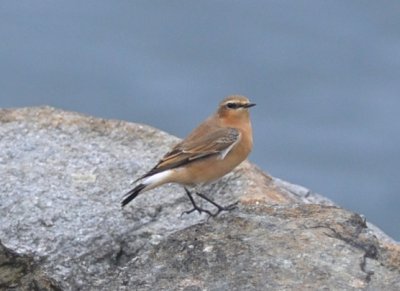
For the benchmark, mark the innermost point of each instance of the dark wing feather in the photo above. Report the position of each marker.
(213, 143)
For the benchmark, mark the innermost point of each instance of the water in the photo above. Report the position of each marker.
(325, 76)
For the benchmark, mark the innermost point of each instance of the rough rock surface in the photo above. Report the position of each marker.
(63, 176)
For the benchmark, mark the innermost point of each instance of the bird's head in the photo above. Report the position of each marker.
(234, 107)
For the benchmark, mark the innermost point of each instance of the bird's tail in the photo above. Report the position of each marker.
(132, 194)
(147, 183)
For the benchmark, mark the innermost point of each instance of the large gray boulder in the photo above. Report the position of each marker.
(62, 227)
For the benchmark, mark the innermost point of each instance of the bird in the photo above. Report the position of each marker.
(210, 151)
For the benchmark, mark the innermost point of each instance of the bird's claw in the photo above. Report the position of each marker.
(229, 207)
(198, 209)
(210, 214)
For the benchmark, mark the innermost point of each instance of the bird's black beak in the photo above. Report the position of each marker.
(248, 105)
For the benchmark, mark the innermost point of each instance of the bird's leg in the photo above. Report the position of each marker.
(195, 207)
(220, 208)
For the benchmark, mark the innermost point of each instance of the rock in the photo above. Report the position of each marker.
(63, 177)
(304, 247)
(20, 271)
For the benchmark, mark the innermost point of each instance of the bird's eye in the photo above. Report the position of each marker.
(233, 105)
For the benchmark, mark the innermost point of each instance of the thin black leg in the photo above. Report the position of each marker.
(200, 210)
(195, 207)
(220, 208)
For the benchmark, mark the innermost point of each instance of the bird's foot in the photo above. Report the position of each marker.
(195, 207)
(219, 207)
(198, 209)
(201, 210)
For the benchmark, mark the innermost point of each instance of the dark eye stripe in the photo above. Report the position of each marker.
(232, 105)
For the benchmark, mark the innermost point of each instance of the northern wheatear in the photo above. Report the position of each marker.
(212, 150)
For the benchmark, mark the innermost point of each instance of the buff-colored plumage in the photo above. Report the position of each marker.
(212, 150)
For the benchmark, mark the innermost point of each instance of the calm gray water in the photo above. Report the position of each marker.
(325, 76)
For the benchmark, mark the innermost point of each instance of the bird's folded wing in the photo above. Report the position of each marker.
(216, 142)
